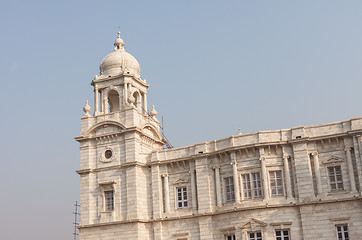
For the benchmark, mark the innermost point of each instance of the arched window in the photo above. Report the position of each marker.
(113, 101)
(137, 102)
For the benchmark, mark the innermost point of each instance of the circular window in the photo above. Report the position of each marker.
(108, 154)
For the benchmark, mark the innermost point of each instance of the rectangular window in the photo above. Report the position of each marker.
(335, 178)
(246, 186)
(229, 189)
(230, 237)
(251, 185)
(282, 234)
(181, 197)
(342, 232)
(256, 185)
(109, 201)
(255, 236)
(276, 183)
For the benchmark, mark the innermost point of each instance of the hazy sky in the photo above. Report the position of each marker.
(212, 66)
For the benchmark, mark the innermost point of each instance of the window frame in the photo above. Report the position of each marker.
(229, 195)
(277, 186)
(336, 181)
(343, 231)
(256, 237)
(183, 189)
(108, 203)
(282, 237)
(107, 187)
(252, 188)
(232, 235)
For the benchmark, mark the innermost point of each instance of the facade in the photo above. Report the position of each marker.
(299, 183)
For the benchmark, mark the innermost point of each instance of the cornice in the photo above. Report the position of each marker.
(115, 167)
(225, 211)
(255, 145)
(104, 79)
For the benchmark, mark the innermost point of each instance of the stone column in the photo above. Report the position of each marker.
(101, 102)
(105, 103)
(125, 94)
(357, 144)
(166, 193)
(317, 172)
(218, 186)
(96, 102)
(287, 177)
(350, 169)
(120, 100)
(264, 177)
(193, 189)
(144, 99)
(264, 173)
(236, 177)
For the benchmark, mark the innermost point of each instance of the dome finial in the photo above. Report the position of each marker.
(118, 44)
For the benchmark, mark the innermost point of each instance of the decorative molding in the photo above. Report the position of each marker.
(228, 230)
(332, 160)
(253, 224)
(181, 234)
(102, 157)
(180, 181)
(107, 138)
(107, 183)
(281, 223)
(339, 219)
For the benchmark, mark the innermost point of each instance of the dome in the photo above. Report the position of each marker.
(119, 61)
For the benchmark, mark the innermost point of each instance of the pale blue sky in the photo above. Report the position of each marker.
(212, 66)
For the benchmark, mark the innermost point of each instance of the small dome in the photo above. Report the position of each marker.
(119, 61)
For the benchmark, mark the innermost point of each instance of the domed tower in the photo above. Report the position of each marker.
(116, 144)
(119, 84)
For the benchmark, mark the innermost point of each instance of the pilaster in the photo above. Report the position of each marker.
(193, 186)
(303, 171)
(218, 186)
(350, 169)
(156, 192)
(235, 177)
(317, 172)
(206, 228)
(203, 180)
(264, 174)
(166, 193)
(287, 177)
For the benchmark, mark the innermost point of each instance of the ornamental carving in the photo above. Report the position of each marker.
(333, 160)
(107, 155)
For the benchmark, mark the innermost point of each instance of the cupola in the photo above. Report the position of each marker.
(119, 61)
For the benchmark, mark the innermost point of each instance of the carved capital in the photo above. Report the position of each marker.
(314, 153)
(348, 149)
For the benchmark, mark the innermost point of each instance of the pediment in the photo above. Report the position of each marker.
(150, 132)
(253, 224)
(105, 128)
(180, 181)
(333, 160)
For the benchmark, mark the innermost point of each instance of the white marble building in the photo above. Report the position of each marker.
(299, 183)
